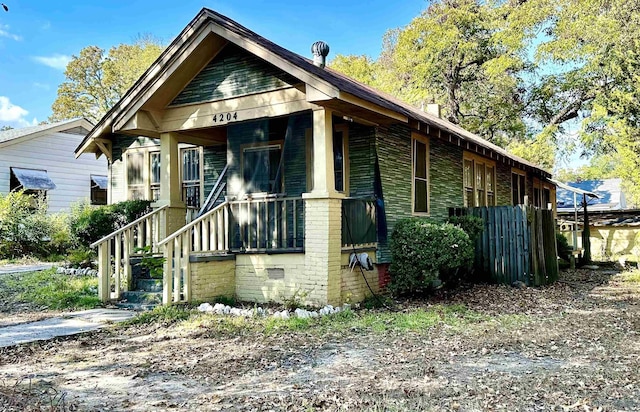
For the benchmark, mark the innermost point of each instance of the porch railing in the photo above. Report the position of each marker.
(359, 223)
(266, 224)
(116, 249)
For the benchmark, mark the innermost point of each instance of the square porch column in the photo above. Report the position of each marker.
(170, 187)
(323, 217)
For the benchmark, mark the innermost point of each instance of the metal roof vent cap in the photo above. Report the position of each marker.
(320, 51)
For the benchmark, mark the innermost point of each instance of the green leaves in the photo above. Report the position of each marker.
(96, 80)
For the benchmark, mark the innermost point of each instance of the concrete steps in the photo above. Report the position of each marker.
(148, 295)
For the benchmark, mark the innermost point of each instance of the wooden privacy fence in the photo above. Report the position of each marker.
(518, 243)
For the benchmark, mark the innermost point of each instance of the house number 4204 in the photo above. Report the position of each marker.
(222, 117)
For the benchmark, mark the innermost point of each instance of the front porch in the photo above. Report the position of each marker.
(253, 249)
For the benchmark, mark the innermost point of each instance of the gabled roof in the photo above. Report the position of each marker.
(330, 82)
(32, 131)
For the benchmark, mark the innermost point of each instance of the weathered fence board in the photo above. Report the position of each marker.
(517, 244)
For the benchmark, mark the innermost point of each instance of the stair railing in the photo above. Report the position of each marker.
(116, 249)
(208, 233)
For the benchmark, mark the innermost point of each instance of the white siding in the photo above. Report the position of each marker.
(55, 154)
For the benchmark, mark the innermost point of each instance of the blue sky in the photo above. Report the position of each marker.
(37, 38)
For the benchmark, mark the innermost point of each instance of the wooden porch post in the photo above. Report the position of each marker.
(323, 217)
(170, 188)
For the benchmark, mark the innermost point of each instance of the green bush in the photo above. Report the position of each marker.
(25, 229)
(472, 225)
(422, 249)
(90, 223)
(564, 250)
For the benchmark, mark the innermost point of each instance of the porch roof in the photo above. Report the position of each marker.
(340, 87)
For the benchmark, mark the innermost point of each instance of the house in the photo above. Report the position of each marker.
(40, 160)
(610, 195)
(286, 167)
(614, 233)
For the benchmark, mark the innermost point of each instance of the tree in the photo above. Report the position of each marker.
(95, 81)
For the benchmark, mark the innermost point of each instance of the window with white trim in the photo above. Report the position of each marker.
(420, 166)
(191, 176)
(479, 180)
(154, 168)
(518, 186)
(136, 187)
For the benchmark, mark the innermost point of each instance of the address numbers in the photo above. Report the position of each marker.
(225, 117)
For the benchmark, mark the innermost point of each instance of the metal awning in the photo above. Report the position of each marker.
(100, 181)
(33, 179)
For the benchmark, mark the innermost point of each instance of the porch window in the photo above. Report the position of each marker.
(420, 155)
(154, 168)
(191, 177)
(260, 168)
(135, 175)
(341, 158)
(479, 177)
(518, 186)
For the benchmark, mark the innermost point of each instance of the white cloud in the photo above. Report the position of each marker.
(57, 61)
(4, 32)
(15, 114)
(42, 86)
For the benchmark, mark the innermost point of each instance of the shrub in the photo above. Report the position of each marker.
(472, 225)
(24, 226)
(89, 223)
(422, 249)
(564, 250)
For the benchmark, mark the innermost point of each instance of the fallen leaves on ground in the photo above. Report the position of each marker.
(571, 346)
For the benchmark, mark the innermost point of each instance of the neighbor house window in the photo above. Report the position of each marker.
(191, 176)
(420, 163)
(260, 168)
(341, 157)
(34, 182)
(479, 180)
(518, 186)
(98, 190)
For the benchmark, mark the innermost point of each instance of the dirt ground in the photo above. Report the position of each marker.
(573, 346)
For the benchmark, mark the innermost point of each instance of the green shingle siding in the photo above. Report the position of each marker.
(393, 146)
(362, 157)
(503, 184)
(445, 175)
(232, 73)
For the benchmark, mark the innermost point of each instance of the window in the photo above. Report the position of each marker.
(420, 155)
(143, 174)
(518, 186)
(479, 180)
(98, 190)
(33, 181)
(191, 177)
(260, 168)
(542, 194)
(154, 167)
(135, 176)
(341, 157)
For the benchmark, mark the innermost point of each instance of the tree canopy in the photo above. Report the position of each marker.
(96, 80)
(530, 75)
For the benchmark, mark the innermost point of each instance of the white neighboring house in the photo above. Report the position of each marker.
(41, 159)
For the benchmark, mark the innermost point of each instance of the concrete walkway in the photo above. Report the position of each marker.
(69, 324)
(6, 269)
